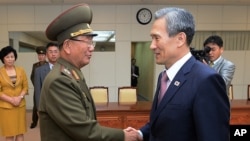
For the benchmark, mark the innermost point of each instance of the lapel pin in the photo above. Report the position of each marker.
(176, 83)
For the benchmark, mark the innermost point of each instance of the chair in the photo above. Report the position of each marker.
(127, 95)
(230, 92)
(248, 92)
(99, 94)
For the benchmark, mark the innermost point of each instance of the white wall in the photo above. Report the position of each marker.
(113, 69)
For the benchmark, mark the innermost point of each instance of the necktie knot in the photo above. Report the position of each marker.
(211, 63)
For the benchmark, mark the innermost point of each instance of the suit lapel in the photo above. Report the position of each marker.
(7, 78)
(218, 64)
(173, 88)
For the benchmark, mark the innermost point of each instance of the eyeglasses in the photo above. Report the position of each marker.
(89, 43)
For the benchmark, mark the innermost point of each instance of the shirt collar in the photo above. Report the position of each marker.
(172, 71)
(216, 60)
(51, 65)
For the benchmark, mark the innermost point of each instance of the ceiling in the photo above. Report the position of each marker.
(130, 2)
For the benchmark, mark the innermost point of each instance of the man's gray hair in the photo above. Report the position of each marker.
(177, 20)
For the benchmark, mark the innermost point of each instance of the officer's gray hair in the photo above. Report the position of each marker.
(177, 20)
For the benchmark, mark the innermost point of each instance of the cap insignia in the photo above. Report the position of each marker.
(82, 31)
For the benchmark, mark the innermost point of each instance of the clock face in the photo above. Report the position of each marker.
(144, 16)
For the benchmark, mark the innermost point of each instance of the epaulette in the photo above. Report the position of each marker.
(65, 71)
(70, 73)
(75, 75)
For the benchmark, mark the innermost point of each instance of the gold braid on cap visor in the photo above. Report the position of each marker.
(74, 34)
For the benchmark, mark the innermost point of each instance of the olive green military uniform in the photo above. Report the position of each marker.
(67, 111)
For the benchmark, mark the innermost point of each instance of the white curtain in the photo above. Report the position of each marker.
(232, 40)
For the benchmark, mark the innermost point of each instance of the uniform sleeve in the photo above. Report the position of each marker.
(65, 107)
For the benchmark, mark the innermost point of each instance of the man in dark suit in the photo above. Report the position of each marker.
(194, 104)
(66, 108)
(41, 55)
(223, 66)
(134, 73)
(52, 53)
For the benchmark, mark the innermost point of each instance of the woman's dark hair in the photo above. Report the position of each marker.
(5, 51)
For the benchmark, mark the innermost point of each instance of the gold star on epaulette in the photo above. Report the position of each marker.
(65, 71)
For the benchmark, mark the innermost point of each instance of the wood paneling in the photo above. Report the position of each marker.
(240, 112)
(136, 115)
(123, 115)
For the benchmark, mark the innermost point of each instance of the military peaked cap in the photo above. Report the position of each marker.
(71, 23)
(40, 50)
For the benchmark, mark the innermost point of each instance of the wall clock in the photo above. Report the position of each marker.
(144, 16)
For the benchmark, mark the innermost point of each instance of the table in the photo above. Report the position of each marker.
(240, 112)
(117, 115)
(122, 115)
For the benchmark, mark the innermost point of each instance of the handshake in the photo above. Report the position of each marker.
(131, 134)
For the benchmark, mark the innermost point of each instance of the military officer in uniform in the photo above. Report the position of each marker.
(66, 110)
(41, 55)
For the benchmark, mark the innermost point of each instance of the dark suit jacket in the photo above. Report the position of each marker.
(40, 74)
(194, 108)
(134, 76)
(34, 66)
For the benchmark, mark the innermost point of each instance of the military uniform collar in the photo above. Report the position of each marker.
(70, 70)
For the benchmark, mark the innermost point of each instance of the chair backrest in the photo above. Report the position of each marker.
(99, 94)
(248, 92)
(127, 94)
(230, 92)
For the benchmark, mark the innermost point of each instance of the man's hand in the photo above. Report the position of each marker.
(135, 136)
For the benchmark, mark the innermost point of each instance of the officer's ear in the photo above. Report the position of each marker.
(66, 47)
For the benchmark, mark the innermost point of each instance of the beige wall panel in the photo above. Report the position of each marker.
(104, 14)
(208, 27)
(21, 14)
(122, 63)
(140, 32)
(46, 16)
(234, 14)
(21, 27)
(234, 27)
(123, 14)
(213, 15)
(3, 15)
(123, 32)
(102, 66)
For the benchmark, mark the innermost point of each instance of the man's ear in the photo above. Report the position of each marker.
(66, 47)
(221, 50)
(181, 39)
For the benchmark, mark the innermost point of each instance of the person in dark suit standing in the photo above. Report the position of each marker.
(194, 105)
(66, 108)
(223, 66)
(52, 53)
(134, 73)
(41, 55)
